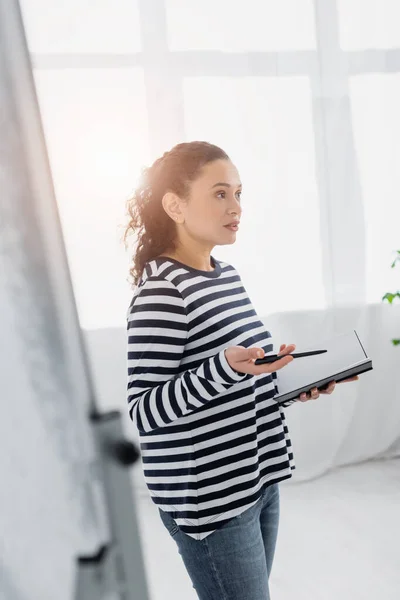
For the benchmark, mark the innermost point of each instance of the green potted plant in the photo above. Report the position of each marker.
(390, 296)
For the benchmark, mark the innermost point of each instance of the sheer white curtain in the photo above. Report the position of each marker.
(303, 95)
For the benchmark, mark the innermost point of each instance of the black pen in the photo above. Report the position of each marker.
(273, 357)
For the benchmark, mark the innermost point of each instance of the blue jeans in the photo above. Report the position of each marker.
(235, 561)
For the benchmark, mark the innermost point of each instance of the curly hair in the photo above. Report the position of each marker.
(152, 227)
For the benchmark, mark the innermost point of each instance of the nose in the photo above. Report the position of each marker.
(236, 210)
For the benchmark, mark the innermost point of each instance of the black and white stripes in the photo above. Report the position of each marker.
(210, 437)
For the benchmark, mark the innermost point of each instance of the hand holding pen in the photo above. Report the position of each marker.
(244, 360)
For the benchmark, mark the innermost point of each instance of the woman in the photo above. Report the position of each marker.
(214, 442)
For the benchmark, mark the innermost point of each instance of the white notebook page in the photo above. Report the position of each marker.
(344, 351)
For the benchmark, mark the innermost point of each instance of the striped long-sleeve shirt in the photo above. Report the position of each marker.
(210, 438)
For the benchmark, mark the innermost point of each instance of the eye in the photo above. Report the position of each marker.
(222, 194)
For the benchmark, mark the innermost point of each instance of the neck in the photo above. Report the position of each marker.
(193, 258)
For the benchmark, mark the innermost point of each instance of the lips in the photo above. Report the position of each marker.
(233, 226)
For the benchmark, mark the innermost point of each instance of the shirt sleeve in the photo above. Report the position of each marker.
(157, 328)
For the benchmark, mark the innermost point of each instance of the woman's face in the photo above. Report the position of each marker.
(213, 203)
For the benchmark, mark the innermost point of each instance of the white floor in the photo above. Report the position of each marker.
(339, 539)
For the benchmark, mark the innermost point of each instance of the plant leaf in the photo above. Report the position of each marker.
(397, 259)
(389, 296)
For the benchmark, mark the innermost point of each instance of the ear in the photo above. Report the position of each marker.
(172, 206)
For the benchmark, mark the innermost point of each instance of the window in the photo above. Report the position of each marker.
(76, 26)
(375, 101)
(367, 24)
(254, 25)
(96, 132)
(265, 125)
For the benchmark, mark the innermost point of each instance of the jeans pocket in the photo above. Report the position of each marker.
(169, 522)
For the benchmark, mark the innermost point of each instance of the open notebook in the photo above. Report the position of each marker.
(345, 358)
